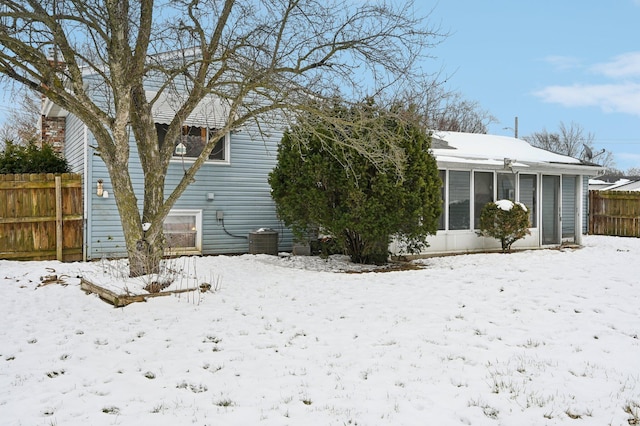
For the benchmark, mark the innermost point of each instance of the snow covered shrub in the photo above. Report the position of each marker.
(506, 221)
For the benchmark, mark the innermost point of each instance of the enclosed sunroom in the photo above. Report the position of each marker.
(477, 168)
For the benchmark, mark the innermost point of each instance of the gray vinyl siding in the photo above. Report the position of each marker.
(74, 143)
(241, 191)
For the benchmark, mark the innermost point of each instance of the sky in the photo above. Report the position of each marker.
(547, 62)
(528, 338)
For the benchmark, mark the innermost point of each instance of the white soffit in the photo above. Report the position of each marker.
(211, 112)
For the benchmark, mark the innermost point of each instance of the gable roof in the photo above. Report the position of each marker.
(498, 151)
(211, 112)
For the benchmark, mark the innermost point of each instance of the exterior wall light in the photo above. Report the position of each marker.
(100, 188)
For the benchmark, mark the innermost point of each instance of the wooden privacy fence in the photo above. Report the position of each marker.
(614, 213)
(41, 217)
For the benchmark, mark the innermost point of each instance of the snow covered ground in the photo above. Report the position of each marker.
(531, 338)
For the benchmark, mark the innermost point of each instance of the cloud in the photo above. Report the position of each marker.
(621, 93)
(629, 156)
(626, 65)
(563, 62)
(623, 97)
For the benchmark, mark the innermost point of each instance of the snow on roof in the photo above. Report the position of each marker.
(619, 185)
(477, 146)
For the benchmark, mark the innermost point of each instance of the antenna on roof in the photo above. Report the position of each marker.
(589, 155)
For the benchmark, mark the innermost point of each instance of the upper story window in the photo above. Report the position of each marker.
(194, 139)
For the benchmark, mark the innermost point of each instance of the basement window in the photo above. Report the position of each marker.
(183, 231)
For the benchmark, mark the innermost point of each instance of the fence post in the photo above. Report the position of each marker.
(59, 239)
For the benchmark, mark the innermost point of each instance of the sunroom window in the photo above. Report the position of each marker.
(459, 199)
(443, 193)
(528, 197)
(506, 186)
(482, 194)
(183, 231)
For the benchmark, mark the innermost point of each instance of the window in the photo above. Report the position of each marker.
(194, 140)
(528, 197)
(506, 186)
(482, 194)
(459, 200)
(443, 193)
(182, 230)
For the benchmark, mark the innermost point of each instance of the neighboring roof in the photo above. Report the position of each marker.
(622, 184)
(611, 179)
(631, 186)
(211, 112)
(495, 150)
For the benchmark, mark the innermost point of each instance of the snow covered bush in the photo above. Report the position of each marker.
(506, 221)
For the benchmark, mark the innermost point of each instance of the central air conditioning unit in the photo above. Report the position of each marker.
(263, 241)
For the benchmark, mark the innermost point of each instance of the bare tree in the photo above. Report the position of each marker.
(21, 125)
(265, 58)
(460, 115)
(572, 141)
(448, 111)
(633, 171)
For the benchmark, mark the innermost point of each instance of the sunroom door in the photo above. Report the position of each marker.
(569, 208)
(550, 210)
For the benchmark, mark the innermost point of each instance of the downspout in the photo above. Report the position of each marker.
(87, 193)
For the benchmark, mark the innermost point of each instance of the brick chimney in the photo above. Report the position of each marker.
(53, 129)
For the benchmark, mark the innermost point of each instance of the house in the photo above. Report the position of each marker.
(479, 168)
(228, 209)
(229, 203)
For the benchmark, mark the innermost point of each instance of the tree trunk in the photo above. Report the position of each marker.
(144, 248)
(361, 250)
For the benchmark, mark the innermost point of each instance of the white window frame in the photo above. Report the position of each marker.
(227, 150)
(198, 222)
